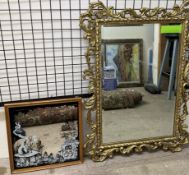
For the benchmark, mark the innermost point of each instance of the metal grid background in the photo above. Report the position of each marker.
(42, 51)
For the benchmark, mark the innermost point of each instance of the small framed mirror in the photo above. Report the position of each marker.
(138, 77)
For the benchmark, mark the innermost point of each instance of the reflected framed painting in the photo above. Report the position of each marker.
(125, 56)
(44, 134)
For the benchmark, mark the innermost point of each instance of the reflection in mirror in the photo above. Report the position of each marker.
(139, 81)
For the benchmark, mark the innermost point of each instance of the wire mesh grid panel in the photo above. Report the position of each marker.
(42, 50)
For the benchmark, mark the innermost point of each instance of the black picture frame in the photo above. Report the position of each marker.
(129, 74)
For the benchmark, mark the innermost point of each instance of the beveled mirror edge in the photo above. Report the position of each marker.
(90, 23)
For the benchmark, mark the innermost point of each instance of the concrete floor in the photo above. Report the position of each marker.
(153, 117)
(157, 163)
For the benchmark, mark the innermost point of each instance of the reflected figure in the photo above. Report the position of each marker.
(125, 63)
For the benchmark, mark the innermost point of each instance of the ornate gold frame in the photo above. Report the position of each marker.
(91, 22)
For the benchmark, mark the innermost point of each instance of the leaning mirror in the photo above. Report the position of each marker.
(138, 78)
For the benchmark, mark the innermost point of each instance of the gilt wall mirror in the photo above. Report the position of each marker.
(135, 118)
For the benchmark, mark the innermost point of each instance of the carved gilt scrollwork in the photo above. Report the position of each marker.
(88, 23)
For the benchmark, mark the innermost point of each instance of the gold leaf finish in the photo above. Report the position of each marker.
(90, 22)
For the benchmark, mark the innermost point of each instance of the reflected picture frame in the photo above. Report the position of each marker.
(128, 67)
(91, 23)
(44, 134)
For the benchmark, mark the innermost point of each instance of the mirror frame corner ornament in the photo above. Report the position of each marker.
(99, 14)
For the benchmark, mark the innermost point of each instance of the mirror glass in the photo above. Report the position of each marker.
(139, 75)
